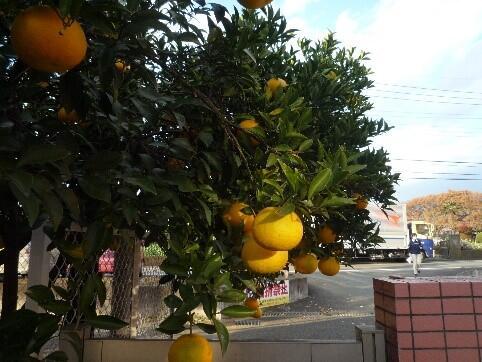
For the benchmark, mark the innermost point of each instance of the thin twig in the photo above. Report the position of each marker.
(225, 123)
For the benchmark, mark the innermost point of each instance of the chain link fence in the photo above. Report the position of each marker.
(131, 278)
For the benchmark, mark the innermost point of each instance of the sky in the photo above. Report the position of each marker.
(426, 59)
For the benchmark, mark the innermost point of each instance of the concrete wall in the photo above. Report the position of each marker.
(288, 351)
(368, 347)
(430, 319)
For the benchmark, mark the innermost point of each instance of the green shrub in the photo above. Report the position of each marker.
(153, 250)
(478, 238)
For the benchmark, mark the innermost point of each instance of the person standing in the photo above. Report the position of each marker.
(415, 250)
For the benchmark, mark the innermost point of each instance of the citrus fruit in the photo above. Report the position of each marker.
(331, 75)
(248, 224)
(305, 263)
(174, 164)
(275, 233)
(67, 117)
(361, 202)
(236, 217)
(251, 303)
(254, 4)
(190, 348)
(327, 235)
(275, 84)
(121, 66)
(42, 41)
(247, 124)
(258, 313)
(329, 266)
(261, 260)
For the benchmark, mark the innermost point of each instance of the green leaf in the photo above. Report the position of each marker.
(64, 7)
(54, 208)
(223, 282)
(173, 301)
(238, 311)
(23, 180)
(189, 37)
(209, 304)
(207, 328)
(250, 54)
(87, 295)
(106, 322)
(336, 201)
(173, 324)
(320, 182)
(290, 176)
(39, 154)
(355, 168)
(96, 188)
(57, 356)
(58, 307)
(231, 296)
(61, 292)
(145, 183)
(71, 201)
(40, 294)
(100, 289)
(250, 284)
(223, 335)
(305, 145)
(276, 111)
(173, 269)
(212, 266)
(30, 205)
(105, 160)
(207, 211)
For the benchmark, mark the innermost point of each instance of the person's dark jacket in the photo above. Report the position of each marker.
(415, 247)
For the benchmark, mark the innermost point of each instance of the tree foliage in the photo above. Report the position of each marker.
(158, 153)
(453, 210)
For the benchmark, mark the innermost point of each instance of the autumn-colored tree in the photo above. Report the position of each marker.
(143, 137)
(459, 211)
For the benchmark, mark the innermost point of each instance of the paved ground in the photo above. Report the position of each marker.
(338, 303)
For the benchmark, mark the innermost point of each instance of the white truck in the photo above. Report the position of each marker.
(393, 230)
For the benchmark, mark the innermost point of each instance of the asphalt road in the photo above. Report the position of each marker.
(336, 304)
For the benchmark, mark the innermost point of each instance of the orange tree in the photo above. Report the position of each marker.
(142, 136)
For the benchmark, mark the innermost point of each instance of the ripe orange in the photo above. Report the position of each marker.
(254, 4)
(247, 124)
(326, 235)
(258, 313)
(67, 117)
(305, 263)
(329, 266)
(190, 348)
(251, 303)
(275, 84)
(174, 164)
(41, 40)
(261, 260)
(361, 202)
(121, 66)
(235, 217)
(275, 233)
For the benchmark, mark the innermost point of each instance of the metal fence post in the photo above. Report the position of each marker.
(136, 271)
(39, 264)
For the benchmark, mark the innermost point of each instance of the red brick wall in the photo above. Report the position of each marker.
(430, 319)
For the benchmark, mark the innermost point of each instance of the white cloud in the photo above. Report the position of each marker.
(408, 37)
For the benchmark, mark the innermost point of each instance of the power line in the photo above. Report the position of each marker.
(427, 101)
(440, 173)
(438, 161)
(417, 113)
(444, 179)
(426, 88)
(423, 94)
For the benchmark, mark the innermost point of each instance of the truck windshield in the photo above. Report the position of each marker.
(422, 229)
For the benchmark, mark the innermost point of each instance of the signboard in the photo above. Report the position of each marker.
(276, 293)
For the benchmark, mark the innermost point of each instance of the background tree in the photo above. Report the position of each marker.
(155, 150)
(453, 210)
